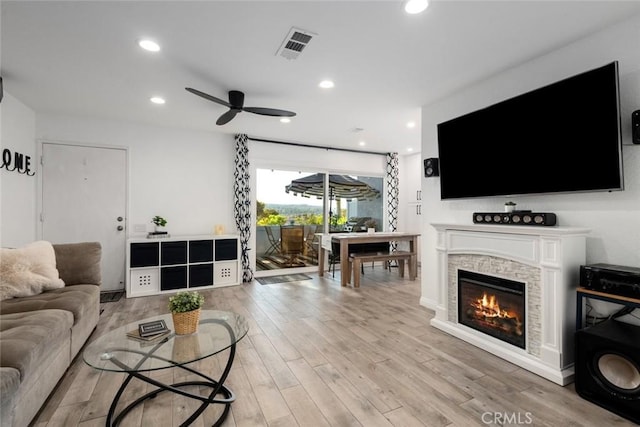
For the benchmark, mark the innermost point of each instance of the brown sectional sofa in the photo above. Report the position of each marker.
(40, 335)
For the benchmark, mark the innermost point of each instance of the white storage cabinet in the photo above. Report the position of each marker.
(156, 266)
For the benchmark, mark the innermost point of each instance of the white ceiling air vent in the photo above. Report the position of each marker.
(294, 43)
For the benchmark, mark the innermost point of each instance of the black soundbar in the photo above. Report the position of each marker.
(515, 218)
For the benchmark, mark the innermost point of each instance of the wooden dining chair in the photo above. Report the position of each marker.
(334, 257)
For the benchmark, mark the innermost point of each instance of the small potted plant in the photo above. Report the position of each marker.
(371, 225)
(158, 222)
(185, 307)
(509, 206)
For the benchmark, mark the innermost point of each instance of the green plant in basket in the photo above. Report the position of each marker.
(185, 301)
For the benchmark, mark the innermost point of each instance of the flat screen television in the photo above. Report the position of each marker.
(561, 138)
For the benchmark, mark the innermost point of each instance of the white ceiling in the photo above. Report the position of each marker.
(81, 58)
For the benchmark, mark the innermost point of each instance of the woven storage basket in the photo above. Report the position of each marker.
(186, 323)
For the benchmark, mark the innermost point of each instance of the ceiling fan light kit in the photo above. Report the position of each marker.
(415, 6)
(149, 45)
(236, 105)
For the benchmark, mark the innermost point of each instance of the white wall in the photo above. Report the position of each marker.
(262, 154)
(17, 191)
(187, 176)
(614, 218)
(184, 176)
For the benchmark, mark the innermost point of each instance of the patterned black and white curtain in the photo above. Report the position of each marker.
(392, 194)
(242, 203)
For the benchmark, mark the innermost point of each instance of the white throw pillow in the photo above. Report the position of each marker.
(29, 270)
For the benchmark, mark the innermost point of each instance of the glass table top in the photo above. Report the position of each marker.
(115, 351)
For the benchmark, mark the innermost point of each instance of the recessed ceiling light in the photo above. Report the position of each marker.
(409, 149)
(415, 6)
(411, 125)
(157, 100)
(285, 120)
(326, 84)
(362, 143)
(149, 45)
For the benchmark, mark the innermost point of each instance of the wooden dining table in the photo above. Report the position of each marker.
(344, 239)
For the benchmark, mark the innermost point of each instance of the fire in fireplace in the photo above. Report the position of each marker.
(492, 305)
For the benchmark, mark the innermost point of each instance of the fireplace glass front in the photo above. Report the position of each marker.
(493, 305)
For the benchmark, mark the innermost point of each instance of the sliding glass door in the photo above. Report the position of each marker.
(286, 223)
(356, 203)
(291, 206)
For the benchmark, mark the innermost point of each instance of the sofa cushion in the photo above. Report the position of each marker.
(74, 299)
(27, 338)
(9, 381)
(79, 263)
(28, 271)
(9, 384)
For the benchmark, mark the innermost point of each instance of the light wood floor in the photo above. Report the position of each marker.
(320, 355)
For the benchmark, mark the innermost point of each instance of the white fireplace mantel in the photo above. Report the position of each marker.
(548, 259)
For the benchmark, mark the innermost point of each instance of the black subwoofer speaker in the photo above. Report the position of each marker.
(431, 167)
(607, 367)
(635, 127)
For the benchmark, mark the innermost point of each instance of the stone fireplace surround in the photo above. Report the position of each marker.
(546, 259)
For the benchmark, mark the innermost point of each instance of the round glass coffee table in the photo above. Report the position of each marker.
(116, 352)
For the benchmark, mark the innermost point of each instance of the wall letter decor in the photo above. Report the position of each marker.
(16, 162)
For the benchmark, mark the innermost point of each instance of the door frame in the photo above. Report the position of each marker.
(39, 193)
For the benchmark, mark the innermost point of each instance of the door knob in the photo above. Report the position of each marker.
(120, 228)
(120, 219)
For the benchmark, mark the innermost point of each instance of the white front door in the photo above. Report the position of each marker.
(84, 199)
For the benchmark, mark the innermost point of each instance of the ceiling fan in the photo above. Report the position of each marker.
(236, 105)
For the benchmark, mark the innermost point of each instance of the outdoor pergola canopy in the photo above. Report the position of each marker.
(340, 187)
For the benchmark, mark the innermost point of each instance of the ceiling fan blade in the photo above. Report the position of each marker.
(226, 117)
(270, 111)
(209, 97)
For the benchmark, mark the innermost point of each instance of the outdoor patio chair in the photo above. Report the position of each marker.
(310, 242)
(274, 244)
(292, 242)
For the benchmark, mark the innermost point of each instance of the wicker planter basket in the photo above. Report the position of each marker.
(186, 323)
